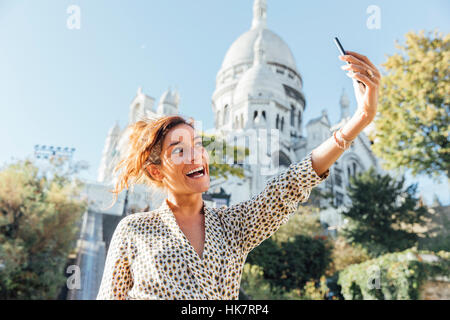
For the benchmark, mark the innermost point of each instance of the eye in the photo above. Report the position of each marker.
(177, 150)
(199, 144)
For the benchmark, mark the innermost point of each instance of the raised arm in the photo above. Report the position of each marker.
(250, 222)
(363, 70)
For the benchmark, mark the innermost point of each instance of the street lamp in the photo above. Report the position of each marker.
(45, 152)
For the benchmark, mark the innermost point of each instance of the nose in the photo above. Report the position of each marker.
(195, 155)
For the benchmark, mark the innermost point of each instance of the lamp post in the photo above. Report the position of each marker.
(46, 152)
(125, 203)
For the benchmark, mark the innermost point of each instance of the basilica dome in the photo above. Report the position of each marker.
(258, 81)
(276, 50)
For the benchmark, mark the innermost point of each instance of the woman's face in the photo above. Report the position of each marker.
(184, 165)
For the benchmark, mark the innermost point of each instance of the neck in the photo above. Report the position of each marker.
(185, 204)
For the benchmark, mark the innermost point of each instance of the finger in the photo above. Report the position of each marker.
(364, 79)
(360, 69)
(363, 58)
(353, 60)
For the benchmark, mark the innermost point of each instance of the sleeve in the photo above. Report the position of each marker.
(251, 222)
(117, 279)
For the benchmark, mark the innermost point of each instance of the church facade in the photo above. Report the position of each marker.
(259, 92)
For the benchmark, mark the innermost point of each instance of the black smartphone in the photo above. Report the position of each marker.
(339, 46)
(342, 51)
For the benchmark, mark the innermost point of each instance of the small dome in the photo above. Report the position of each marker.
(169, 97)
(115, 130)
(259, 80)
(276, 50)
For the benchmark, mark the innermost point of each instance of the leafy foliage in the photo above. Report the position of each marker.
(38, 219)
(345, 254)
(383, 214)
(295, 255)
(315, 290)
(437, 237)
(256, 287)
(254, 284)
(413, 126)
(225, 159)
(400, 275)
(304, 222)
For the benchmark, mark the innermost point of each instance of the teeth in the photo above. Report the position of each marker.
(195, 170)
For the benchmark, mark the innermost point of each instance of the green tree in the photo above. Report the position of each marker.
(39, 213)
(306, 222)
(292, 264)
(437, 237)
(383, 214)
(295, 254)
(225, 159)
(413, 124)
(345, 254)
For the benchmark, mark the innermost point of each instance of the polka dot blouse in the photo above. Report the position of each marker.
(150, 257)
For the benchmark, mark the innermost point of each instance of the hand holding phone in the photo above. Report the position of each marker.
(342, 51)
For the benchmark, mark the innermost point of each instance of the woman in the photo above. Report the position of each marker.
(186, 250)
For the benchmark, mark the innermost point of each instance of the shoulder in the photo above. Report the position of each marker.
(135, 221)
(226, 212)
(216, 210)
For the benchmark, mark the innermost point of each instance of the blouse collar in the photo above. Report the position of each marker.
(201, 268)
(165, 206)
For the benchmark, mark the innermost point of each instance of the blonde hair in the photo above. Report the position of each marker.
(145, 145)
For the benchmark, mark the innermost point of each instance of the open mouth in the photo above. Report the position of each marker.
(196, 173)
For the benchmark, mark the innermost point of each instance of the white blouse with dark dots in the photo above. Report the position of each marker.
(150, 257)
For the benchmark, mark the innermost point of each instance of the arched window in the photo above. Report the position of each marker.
(218, 122)
(339, 199)
(282, 124)
(242, 121)
(277, 123)
(255, 114)
(299, 119)
(264, 115)
(226, 114)
(338, 180)
(292, 115)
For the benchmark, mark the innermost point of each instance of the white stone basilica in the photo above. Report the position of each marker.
(257, 87)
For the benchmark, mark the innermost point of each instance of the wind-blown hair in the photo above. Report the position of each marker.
(144, 148)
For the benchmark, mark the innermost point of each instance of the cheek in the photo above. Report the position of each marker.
(206, 158)
(172, 172)
(176, 172)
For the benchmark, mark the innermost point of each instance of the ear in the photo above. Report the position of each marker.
(155, 172)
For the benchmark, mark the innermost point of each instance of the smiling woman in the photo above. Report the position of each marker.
(183, 165)
(145, 148)
(185, 250)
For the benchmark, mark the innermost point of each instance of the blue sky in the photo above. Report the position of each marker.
(66, 87)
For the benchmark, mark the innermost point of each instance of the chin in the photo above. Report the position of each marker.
(202, 187)
(200, 184)
(206, 187)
